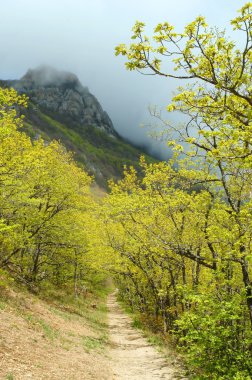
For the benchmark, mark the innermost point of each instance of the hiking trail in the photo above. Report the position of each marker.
(132, 357)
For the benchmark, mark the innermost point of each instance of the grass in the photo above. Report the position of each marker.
(97, 317)
(2, 305)
(91, 343)
(63, 314)
(84, 311)
(49, 331)
(81, 309)
(92, 308)
(90, 311)
(155, 340)
(29, 318)
(136, 323)
(9, 376)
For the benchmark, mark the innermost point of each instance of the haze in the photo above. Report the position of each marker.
(80, 36)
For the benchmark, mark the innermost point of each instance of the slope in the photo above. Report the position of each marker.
(103, 155)
(61, 108)
(55, 338)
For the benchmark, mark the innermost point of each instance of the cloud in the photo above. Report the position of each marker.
(80, 35)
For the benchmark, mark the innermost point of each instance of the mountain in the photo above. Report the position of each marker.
(61, 108)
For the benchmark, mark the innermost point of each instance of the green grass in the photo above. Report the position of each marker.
(155, 340)
(49, 331)
(136, 323)
(63, 314)
(2, 305)
(91, 343)
(30, 318)
(9, 376)
(96, 317)
(90, 310)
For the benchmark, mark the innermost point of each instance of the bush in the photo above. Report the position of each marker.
(215, 337)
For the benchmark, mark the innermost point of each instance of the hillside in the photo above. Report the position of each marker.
(57, 336)
(61, 108)
(52, 338)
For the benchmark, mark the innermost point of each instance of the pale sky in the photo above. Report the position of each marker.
(80, 36)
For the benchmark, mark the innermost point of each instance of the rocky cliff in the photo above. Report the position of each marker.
(63, 94)
(61, 108)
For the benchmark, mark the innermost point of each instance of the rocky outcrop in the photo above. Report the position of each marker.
(62, 93)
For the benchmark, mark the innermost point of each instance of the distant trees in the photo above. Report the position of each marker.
(184, 247)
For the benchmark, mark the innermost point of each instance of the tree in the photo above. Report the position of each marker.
(218, 105)
(44, 203)
(207, 201)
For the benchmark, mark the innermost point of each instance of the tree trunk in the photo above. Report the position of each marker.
(248, 286)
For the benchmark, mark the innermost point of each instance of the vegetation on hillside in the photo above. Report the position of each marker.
(177, 237)
(100, 154)
(45, 205)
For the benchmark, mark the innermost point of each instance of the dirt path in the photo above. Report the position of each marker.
(132, 357)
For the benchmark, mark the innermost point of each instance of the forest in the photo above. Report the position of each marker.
(176, 237)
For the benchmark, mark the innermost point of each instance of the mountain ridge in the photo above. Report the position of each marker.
(61, 108)
(62, 92)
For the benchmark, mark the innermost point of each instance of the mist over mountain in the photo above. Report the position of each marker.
(61, 108)
(80, 37)
(62, 93)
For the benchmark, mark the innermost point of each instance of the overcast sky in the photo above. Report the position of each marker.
(80, 36)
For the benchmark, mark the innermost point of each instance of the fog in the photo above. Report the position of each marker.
(79, 36)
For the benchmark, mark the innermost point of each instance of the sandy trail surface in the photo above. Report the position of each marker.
(132, 357)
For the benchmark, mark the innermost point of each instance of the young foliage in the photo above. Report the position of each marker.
(44, 207)
(186, 247)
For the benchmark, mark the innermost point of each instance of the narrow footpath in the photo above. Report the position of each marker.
(132, 357)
